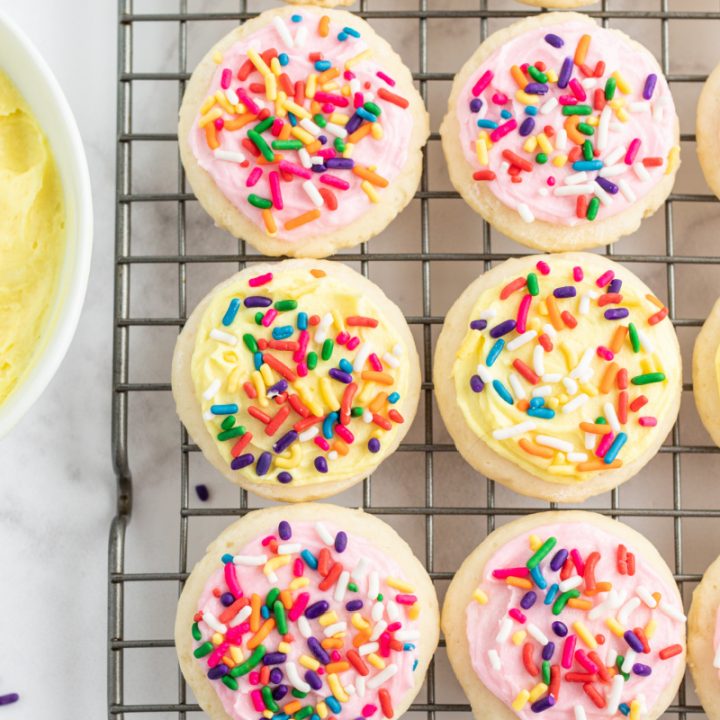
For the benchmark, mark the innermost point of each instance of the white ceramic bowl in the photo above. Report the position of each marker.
(21, 61)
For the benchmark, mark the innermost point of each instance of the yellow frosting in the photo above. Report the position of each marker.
(32, 236)
(233, 366)
(486, 412)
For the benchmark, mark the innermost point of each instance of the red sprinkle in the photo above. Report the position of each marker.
(638, 402)
(511, 287)
(670, 651)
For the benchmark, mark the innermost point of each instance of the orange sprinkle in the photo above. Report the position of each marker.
(302, 219)
(333, 643)
(317, 273)
(523, 405)
(360, 639)
(360, 133)
(608, 377)
(313, 147)
(581, 50)
(337, 667)
(533, 449)
(377, 404)
(579, 604)
(370, 176)
(266, 628)
(378, 377)
(618, 338)
(255, 603)
(240, 121)
(592, 465)
(517, 582)
(323, 31)
(573, 133)
(519, 77)
(340, 446)
(286, 599)
(655, 301)
(211, 136)
(328, 75)
(554, 313)
(269, 220)
(595, 428)
(277, 157)
(285, 132)
(292, 707)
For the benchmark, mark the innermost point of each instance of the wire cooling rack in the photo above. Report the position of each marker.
(664, 495)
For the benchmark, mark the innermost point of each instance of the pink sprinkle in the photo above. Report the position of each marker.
(301, 602)
(632, 151)
(515, 614)
(605, 279)
(216, 655)
(254, 678)
(259, 280)
(336, 656)
(267, 540)
(322, 443)
(327, 153)
(231, 580)
(336, 182)
(235, 633)
(247, 101)
(568, 650)
(604, 444)
(502, 130)
(482, 83)
(375, 362)
(386, 78)
(344, 434)
(342, 338)
(605, 353)
(269, 316)
(577, 561)
(406, 599)
(348, 75)
(219, 123)
(353, 342)
(369, 711)
(257, 700)
(585, 661)
(551, 181)
(385, 644)
(320, 671)
(578, 90)
(648, 421)
(522, 316)
(567, 100)
(275, 192)
(499, 98)
(254, 176)
(298, 568)
(225, 78)
(277, 126)
(294, 169)
(394, 627)
(543, 267)
(358, 100)
(303, 340)
(331, 99)
(503, 573)
(302, 369)
(578, 274)
(327, 108)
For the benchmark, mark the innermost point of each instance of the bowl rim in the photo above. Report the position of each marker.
(44, 367)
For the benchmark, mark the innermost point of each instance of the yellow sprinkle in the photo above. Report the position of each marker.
(222, 100)
(551, 76)
(553, 403)
(615, 627)
(328, 618)
(209, 102)
(589, 389)
(399, 585)
(376, 131)
(376, 661)
(560, 160)
(486, 137)
(308, 398)
(275, 66)
(258, 62)
(520, 700)
(346, 90)
(530, 144)
(275, 563)
(330, 86)
(525, 98)
(480, 596)
(359, 622)
(659, 367)
(284, 647)
(300, 582)
(217, 57)
(635, 710)
(216, 639)
(308, 662)
(544, 143)
(290, 458)
(584, 634)
(622, 85)
(571, 359)
(267, 375)
(296, 109)
(338, 323)
(646, 365)
(535, 542)
(364, 55)
(213, 115)
(280, 104)
(327, 394)
(592, 121)
(561, 470)
(673, 159)
(369, 190)
(267, 714)
(519, 637)
(311, 85)
(271, 87)
(233, 381)
(321, 710)
(236, 654)
(302, 134)
(259, 385)
(414, 611)
(339, 118)
(537, 692)
(482, 151)
(336, 687)
(650, 628)
(349, 148)
(621, 114)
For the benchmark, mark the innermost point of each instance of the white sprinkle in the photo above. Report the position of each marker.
(613, 601)
(561, 139)
(517, 387)
(212, 389)
(521, 340)
(317, 160)
(350, 689)
(550, 331)
(505, 630)
(671, 611)
(341, 587)
(361, 356)
(289, 548)
(600, 192)
(645, 342)
(301, 36)
(304, 626)
(618, 683)
(570, 385)
(614, 155)
(629, 661)
(555, 443)
(488, 314)
(378, 630)
(626, 191)
(208, 416)
(567, 190)
(283, 31)
(484, 372)
(603, 126)
(335, 628)
(504, 166)
(393, 611)
(294, 677)
(313, 193)
(611, 416)
(584, 307)
(250, 560)
(324, 534)
(589, 83)
(333, 455)
(232, 97)
(641, 172)
(336, 130)
(368, 648)
(382, 676)
(613, 170)
(397, 350)
(514, 430)
(305, 160)
(310, 126)
(229, 155)
(580, 712)
(309, 434)
(577, 402)
(535, 632)
(212, 622)
(494, 659)
(585, 361)
(627, 610)
(390, 360)
(639, 106)
(542, 391)
(658, 113)
(539, 360)
(360, 570)
(407, 635)
(359, 686)
(323, 326)
(543, 192)
(223, 337)
(354, 86)
(548, 106)
(577, 457)
(373, 584)
(589, 441)
(646, 596)
(378, 610)
(241, 617)
(576, 178)
(611, 657)
(525, 213)
(570, 583)
(552, 377)
(367, 417)
(271, 577)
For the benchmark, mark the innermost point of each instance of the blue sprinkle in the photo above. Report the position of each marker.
(346, 365)
(537, 402)
(231, 312)
(284, 59)
(415, 664)
(589, 165)
(505, 114)
(257, 360)
(333, 704)
(408, 646)
(322, 65)
(615, 448)
(265, 612)
(228, 409)
(342, 37)
(494, 352)
(351, 31)
(550, 594)
(292, 119)
(624, 708)
(327, 426)
(484, 123)
(365, 115)
(538, 579)
(282, 332)
(542, 413)
(226, 558)
(531, 110)
(393, 397)
(503, 392)
(296, 18)
(310, 560)
(302, 321)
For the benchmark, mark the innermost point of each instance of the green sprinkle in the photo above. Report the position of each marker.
(230, 682)
(312, 360)
(537, 75)
(232, 433)
(197, 635)
(266, 124)
(586, 129)
(327, 349)
(356, 412)
(259, 202)
(541, 553)
(339, 144)
(268, 699)
(610, 86)
(593, 207)
(600, 420)
(352, 587)
(371, 107)
(561, 602)
(587, 149)
(576, 110)
(298, 694)
(261, 145)
(532, 284)
(280, 619)
(284, 305)
(228, 422)
(305, 712)
(648, 378)
(546, 672)
(250, 342)
(286, 144)
(619, 662)
(634, 337)
(320, 120)
(541, 158)
(258, 318)
(379, 597)
(271, 597)
(203, 650)
(245, 667)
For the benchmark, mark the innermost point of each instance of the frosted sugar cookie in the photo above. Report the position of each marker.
(569, 614)
(296, 379)
(558, 375)
(307, 611)
(562, 134)
(706, 373)
(707, 128)
(301, 132)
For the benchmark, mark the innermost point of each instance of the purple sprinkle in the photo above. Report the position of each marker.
(566, 291)
(278, 388)
(502, 329)
(276, 676)
(475, 105)
(641, 669)
(215, 673)
(354, 605)
(560, 628)
(543, 704)
(650, 82)
(353, 123)
(339, 163)
(319, 168)
(548, 651)
(315, 611)
(284, 530)
(322, 139)
(280, 691)
(284, 477)
(478, 324)
(274, 658)
(285, 441)
(565, 73)
(558, 559)
(606, 185)
(555, 40)
(227, 599)
(257, 301)
(373, 445)
(316, 648)
(527, 125)
(313, 680)
(616, 313)
(340, 375)
(528, 600)
(202, 492)
(476, 384)
(614, 286)
(535, 88)
(633, 641)
(321, 464)
(263, 464)
(9, 698)
(341, 540)
(242, 461)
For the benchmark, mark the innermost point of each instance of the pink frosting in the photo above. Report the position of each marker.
(653, 121)
(485, 621)
(238, 703)
(387, 155)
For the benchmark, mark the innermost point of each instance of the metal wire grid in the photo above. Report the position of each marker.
(122, 390)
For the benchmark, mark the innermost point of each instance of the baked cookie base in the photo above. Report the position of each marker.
(322, 3)
(557, 4)
(707, 128)
(705, 384)
(538, 234)
(188, 407)
(243, 531)
(483, 702)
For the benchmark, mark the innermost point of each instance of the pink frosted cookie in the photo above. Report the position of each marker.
(307, 611)
(301, 132)
(568, 615)
(562, 134)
